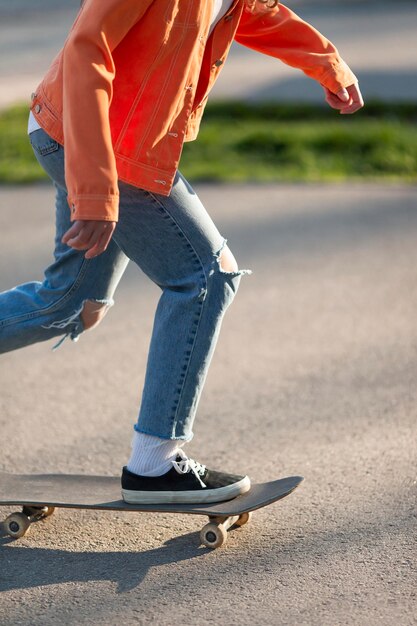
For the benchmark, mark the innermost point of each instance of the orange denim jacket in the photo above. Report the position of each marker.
(131, 82)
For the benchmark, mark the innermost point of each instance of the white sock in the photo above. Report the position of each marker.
(152, 456)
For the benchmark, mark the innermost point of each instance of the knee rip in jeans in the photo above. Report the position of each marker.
(93, 312)
(87, 316)
(227, 263)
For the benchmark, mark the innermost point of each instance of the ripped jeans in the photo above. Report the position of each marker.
(176, 244)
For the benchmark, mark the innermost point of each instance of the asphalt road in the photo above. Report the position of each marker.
(315, 374)
(376, 38)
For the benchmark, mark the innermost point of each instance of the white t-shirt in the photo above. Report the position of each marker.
(220, 8)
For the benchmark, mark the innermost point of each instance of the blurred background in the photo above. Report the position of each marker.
(376, 38)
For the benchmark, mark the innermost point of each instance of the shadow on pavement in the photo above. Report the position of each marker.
(129, 569)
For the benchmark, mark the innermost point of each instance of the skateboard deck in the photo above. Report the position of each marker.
(40, 494)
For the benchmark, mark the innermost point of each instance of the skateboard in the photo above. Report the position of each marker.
(40, 494)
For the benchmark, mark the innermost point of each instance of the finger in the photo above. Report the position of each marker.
(343, 95)
(334, 101)
(352, 108)
(73, 231)
(96, 233)
(100, 246)
(102, 241)
(355, 93)
(82, 240)
(357, 100)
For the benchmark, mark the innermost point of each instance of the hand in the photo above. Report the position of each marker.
(347, 100)
(91, 235)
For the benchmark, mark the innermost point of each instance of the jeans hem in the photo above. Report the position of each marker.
(186, 438)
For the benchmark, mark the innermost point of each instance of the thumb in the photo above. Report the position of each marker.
(343, 95)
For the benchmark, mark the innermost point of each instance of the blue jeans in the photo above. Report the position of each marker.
(176, 244)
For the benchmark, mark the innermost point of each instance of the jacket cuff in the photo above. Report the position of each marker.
(338, 76)
(94, 207)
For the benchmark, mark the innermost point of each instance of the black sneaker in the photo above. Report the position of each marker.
(188, 482)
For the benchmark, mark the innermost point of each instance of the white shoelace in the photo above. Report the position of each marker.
(189, 465)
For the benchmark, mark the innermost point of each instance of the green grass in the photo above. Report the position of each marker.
(268, 142)
(17, 163)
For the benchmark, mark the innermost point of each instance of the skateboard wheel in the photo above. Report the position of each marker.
(244, 519)
(17, 525)
(213, 535)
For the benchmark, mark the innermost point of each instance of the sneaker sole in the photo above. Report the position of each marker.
(187, 497)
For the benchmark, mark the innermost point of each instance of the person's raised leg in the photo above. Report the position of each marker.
(75, 293)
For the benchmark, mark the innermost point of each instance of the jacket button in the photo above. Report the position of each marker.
(218, 63)
(37, 108)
